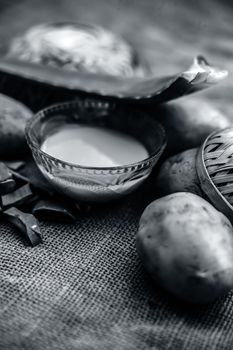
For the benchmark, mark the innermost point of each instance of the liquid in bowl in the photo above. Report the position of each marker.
(93, 146)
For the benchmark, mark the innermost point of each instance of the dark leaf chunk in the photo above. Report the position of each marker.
(26, 223)
(20, 196)
(7, 183)
(55, 210)
(15, 165)
(31, 174)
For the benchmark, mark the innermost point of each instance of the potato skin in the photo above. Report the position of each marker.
(13, 118)
(178, 174)
(188, 122)
(187, 247)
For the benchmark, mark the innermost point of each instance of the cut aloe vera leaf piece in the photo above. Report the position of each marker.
(31, 174)
(19, 197)
(26, 224)
(7, 183)
(15, 164)
(55, 210)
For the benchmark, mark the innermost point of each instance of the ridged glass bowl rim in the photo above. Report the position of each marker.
(72, 104)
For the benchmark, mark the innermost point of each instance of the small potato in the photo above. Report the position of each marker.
(178, 174)
(188, 122)
(187, 247)
(13, 118)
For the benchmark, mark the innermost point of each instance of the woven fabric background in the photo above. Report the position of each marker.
(85, 287)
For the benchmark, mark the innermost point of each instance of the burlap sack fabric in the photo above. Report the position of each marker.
(85, 288)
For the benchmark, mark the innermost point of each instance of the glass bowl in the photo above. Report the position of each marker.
(95, 183)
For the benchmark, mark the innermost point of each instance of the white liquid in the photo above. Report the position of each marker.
(94, 146)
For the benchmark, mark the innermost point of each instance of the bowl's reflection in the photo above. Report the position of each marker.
(95, 183)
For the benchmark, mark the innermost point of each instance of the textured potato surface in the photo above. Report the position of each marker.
(178, 174)
(188, 121)
(187, 247)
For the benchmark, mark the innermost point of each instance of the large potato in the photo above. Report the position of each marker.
(188, 122)
(187, 247)
(178, 174)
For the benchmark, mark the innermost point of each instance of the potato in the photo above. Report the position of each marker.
(178, 174)
(187, 247)
(188, 122)
(13, 118)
